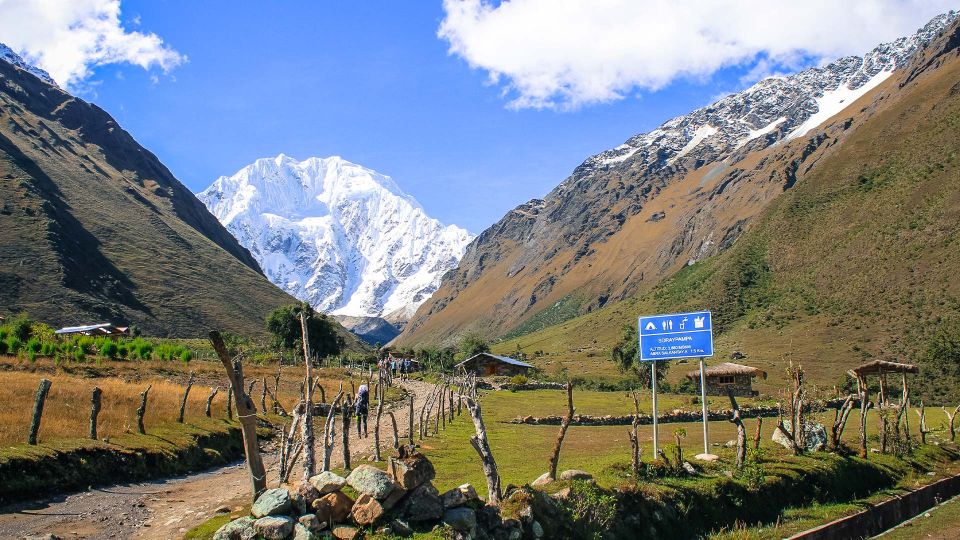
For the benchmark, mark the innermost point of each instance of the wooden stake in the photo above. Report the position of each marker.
(555, 457)
(922, 413)
(396, 437)
(263, 397)
(230, 402)
(183, 402)
(482, 446)
(330, 428)
(410, 420)
(94, 411)
(741, 431)
(950, 417)
(213, 392)
(756, 434)
(142, 409)
(346, 434)
(840, 422)
(38, 410)
(309, 465)
(376, 425)
(246, 413)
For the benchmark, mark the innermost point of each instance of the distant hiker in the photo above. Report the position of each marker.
(362, 406)
(407, 364)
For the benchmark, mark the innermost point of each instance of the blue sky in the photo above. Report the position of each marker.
(373, 82)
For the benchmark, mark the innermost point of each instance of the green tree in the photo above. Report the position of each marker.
(472, 344)
(284, 324)
(627, 359)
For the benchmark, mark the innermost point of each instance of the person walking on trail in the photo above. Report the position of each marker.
(407, 364)
(361, 407)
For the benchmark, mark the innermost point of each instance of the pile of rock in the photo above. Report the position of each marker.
(394, 501)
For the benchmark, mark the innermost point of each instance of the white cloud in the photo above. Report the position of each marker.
(567, 53)
(68, 38)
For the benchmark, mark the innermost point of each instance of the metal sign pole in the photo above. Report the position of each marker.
(653, 379)
(703, 401)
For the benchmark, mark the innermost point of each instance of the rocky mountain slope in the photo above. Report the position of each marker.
(95, 228)
(338, 235)
(857, 261)
(632, 215)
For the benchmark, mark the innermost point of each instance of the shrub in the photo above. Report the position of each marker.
(13, 344)
(518, 380)
(79, 355)
(593, 509)
(3, 347)
(109, 349)
(33, 346)
(20, 327)
(186, 355)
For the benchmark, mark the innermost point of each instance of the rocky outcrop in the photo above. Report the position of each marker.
(396, 502)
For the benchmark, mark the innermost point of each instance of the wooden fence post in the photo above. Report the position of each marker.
(263, 397)
(213, 392)
(741, 431)
(346, 434)
(38, 410)
(142, 409)
(309, 465)
(482, 446)
(376, 426)
(410, 420)
(564, 425)
(94, 411)
(183, 402)
(246, 413)
(230, 402)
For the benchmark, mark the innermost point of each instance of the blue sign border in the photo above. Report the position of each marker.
(640, 335)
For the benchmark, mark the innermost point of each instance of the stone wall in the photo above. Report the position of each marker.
(742, 386)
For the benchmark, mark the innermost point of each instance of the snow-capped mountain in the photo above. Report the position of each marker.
(7, 54)
(336, 234)
(774, 109)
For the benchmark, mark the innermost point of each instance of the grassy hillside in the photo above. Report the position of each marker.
(857, 261)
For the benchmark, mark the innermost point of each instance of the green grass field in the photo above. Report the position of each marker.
(522, 451)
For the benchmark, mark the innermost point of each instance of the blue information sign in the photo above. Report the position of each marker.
(678, 335)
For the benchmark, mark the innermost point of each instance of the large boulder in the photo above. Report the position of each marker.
(333, 507)
(394, 497)
(542, 480)
(303, 533)
(308, 493)
(459, 496)
(327, 482)
(238, 529)
(815, 432)
(423, 504)
(576, 474)
(367, 510)
(461, 519)
(346, 532)
(273, 502)
(274, 527)
(312, 522)
(371, 481)
(411, 468)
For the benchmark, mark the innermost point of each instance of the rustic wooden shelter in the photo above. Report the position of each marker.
(489, 365)
(728, 375)
(881, 368)
(101, 329)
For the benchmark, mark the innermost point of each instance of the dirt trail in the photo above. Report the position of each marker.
(166, 509)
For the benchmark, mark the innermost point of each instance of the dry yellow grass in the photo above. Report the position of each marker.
(67, 409)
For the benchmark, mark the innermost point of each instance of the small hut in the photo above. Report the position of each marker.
(101, 329)
(490, 365)
(728, 375)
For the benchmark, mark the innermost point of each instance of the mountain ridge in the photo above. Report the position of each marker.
(620, 222)
(336, 234)
(96, 228)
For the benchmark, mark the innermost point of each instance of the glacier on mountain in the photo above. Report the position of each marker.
(773, 110)
(340, 236)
